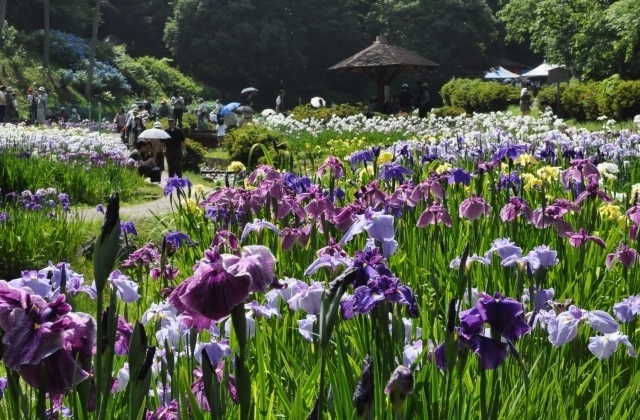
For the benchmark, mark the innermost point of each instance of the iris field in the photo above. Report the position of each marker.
(480, 266)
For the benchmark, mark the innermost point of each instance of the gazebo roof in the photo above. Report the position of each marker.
(383, 54)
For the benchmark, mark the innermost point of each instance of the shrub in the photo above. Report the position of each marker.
(194, 157)
(619, 99)
(239, 142)
(474, 95)
(580, 100)
(303, 112)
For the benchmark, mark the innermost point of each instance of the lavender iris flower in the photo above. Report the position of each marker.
(305, 327)
(516, 207)
(605, 345)
(626, 255)
(460, 176)
(627, 309)
(433, 215)
(510, 152)
(100, 208)
(126, 289)
(257, 226)
(564, 327)
(473, 208)
(505, 248)
(509, 181)
(379, 226)
(332, 163)
(260, 310)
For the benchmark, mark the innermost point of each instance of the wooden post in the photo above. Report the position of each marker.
(558, 98)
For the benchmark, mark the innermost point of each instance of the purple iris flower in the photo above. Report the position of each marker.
(124, 331)
(546, 256)
(305, 327)
(292, 235)
(362, 156)
(627, 309)
(433, 215)
(552, 216)
(4, 217)
(175, 239)
(605, 345)
(296, 183)
(170, 272)
(264, 311)
(144, 256)
(626, 255)
(578, 238)
(459, 176)
(510, 152)
(564, 327)
(505, 248)
(222, 281)
(332, 256)
(473, 208)
(508, 181)
(126, 289)
(377, 289)
(176, 184)
(128, 227)
(593, 191)
(393, 171)
(257, 226)
(580, 171)
(100, 208)
(307, 297)
(332, 163)
(45, 336)
(516, 207)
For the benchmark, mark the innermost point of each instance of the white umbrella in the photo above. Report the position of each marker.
(541, 71)
(249, 90)
(317, 102)
(154, 133)
(268, 112)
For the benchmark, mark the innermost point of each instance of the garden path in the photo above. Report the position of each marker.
(136, 211)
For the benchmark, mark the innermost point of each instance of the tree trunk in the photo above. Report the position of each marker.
(3, 12)
(45, 53)
(92, 54)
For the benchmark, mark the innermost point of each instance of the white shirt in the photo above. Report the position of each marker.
(279, 104)
(42, 100)
(177, 102)
(523, 91)
(222, 130)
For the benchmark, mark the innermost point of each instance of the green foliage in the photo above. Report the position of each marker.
(475, 95)
(240, 140)
(303, 112)
(579, 33)
(194, 157)
(447, 111)
(616, 98)
(93, 186)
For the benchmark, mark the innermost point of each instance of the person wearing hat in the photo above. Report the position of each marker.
(74, 117)
(201, 112)
(177, 102)
(143, 156)
(42, 105)
(405, 98)
(151, 108)
(3, 103)
(422, 101)
(10, 104)
(175, 147)
(163, 111)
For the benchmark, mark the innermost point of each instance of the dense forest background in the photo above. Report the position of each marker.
(227, 45)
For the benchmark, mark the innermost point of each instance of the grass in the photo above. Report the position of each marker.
(217, 154)
(587, 125)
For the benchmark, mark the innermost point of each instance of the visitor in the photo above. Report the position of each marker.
(405, 99)
(163, 111)
(422, 102)
(145, 117)
(231, 121)
(175, 147)
(395, 105)
(157, 146)
(177, 102)
(143, 156)
(137, 129)
(120, 120)
(545, 108)
(222, 131)
(248, 99)
(151, 108)
(130, 124)
(201, 112)
(75, 117)
(371, 108)
(280, 102)
(3, 103)
(525, 99)
(32, 102)
(16, 115)
(62, 115)
(42, 105)
(247, 117)
(11, 105)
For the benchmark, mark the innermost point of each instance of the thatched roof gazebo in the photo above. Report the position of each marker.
(383, 62)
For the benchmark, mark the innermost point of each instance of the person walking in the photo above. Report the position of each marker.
(158, 148)
(525, 99)
(32, 103)
(280, 102)
(42, 105)
(222, 131)
(120, 120)
(177, 101)
(10, 103)
(175, 147)
(75, 117)
(405, 98)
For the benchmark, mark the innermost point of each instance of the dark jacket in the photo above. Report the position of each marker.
(176, 140)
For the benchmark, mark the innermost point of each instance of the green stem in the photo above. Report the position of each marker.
(243, 379)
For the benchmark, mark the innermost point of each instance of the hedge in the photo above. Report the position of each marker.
(475, 95)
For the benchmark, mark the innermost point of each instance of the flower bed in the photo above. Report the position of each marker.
(470, 270)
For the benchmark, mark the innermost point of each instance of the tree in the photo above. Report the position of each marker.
(92, 53)
(578, 33)
(45, 53)
(3, 13)
(269, 44)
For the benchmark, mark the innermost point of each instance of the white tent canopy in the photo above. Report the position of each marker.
(541, 71)
(500, 73)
